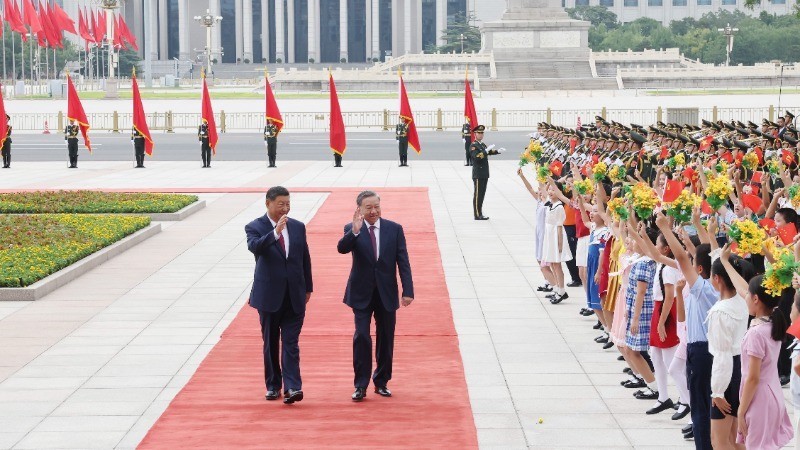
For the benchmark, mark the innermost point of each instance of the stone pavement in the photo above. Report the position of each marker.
(94, 364)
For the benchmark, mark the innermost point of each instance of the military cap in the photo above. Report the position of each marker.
(788, 114)
(741, 145)
(479, 129)
(682, 137)
(790, 140)
(580, 134)
(638, 138)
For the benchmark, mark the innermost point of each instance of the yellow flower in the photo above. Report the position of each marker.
(750, 160)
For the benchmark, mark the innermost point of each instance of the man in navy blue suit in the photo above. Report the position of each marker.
(379, 252)
(281, 288)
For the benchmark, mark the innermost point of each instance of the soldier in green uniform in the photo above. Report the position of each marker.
(401, 134)
(138, 147)
(271, 140)
(480, 170)
(466, 135)
(205, 147)
(7, 145)
(71, 137)
(337, 160)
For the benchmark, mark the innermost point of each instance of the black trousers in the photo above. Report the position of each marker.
(467, 143)
(698, 377)
(384, 343)
(403, 150)
(138, 150)
(337, 160)
(72, 148)
(282, 365)
(478, 194)
(785, 355)
(205, 153)
(573, 245)
(272, 151)
(6, 151)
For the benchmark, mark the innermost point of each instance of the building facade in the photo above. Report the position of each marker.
(665, 11)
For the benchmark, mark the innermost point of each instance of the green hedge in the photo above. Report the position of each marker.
(35, 246)
(89, 202)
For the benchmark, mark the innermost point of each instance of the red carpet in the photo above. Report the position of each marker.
(223, 405)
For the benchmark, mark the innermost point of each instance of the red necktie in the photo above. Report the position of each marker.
(282, 243)
(374, 241)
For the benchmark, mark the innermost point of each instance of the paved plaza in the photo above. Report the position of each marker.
(94, 364)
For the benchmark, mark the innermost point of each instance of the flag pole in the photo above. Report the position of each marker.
(5, 74)
(13, 57)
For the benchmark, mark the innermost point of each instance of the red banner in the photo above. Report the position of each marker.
(140, 119)
(208, 118)
(405, 113)
(338, 140)
(75, 112)
(272, 111)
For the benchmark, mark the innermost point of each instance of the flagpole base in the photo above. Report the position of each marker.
(112, 89)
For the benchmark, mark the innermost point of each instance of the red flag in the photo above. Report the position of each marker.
(338, 139)
(96, 38)
(664, 152)
(272, 112)
(49, 36)
(787, 156)
(14, 19)
(705, 143)
(405, 112)
(119, 42)
(794, 328)
(75, 112)
(83, 29)
(768, 224)
(556, 167)
(787, 233)
(100, 27)
(727, 156)
(208, 118)
(140, 119)
(54, 27)
(62, 19)
(672, 190)
(126, 34)
(752, 202)
(470, 115)
(31, 19)
(3, 121)
(706, 208)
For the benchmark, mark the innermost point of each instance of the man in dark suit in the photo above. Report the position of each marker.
(282, 287)
(379, 251)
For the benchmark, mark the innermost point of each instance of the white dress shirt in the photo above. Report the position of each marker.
(285, 234)
(377, 232)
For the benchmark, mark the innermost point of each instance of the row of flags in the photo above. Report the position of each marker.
(48, 22)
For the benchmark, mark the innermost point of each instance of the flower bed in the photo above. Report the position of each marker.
(35, 246)
(88, 202)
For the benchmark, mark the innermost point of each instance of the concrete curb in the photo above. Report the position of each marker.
(178, 215)
(73, 271)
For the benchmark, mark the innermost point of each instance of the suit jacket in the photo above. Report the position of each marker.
(367, 274)
(274, 273)
(480, 160)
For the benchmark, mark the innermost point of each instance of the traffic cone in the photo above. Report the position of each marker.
(46, 128)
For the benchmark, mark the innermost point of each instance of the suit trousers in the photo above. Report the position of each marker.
(272, 150)
(467, 143)
(384, 345)
(698, 377)
(573, 246)
(282, 326)
(478, 195)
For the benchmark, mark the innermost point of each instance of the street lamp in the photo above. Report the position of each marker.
(110, 6)
(461, 38)
(728, 33)
(208, 20)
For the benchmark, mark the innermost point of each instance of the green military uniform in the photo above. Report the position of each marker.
(205, 146)
(6, 151)
(480, 172)
(271, 138)
(401, 134)
(466, 135)
(71, 136)
(138, 147)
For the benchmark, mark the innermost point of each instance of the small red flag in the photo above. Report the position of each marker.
(272, 112)
(83, 30)
(752, 202)
(768, 224)
(75, 112)
(787, 156)
(787, 233)
(705, 143)
(556, 167)
(126, 34)
(405, 112)
(140, 119)
(672, 190)
(338, 140)
(664, 152)
(31, 18)
(794, 328)
(470, 115)
(3, 121)
(727, 157)
(208, 118)
(706, 208)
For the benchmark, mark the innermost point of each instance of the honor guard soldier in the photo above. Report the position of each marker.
(466, 135)
(401, 134)
(271, 141)
(337, 160)
(71, 137)
(205, 147)
(7, 146)
(480, 170)
(138, 147)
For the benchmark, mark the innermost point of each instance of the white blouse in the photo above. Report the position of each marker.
(727, 324)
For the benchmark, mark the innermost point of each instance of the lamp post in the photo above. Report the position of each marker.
(109, 6)
(728, 32)
(208, 20)
(461, 38)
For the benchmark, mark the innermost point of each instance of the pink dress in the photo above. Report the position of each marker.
(768, 424)
(620, 323)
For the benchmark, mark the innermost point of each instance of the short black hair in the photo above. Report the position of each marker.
(366, 194)
(702, 258)
(277, 191)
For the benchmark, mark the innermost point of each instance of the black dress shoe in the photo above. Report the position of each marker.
(482, 218)
(359, 394)
(587, 313)
(662, 406)
(646, 395)
(272, 395)
(597, 326)
(575, 283)
(382, 391)
(681, 414)
(689, 436)
(784, 380)
(559, 298)
(601, 339)
(686, 429)
(620, 358)
(634, 384)
(608, 345)
(292, 396)
(627, 370)
(545, 288)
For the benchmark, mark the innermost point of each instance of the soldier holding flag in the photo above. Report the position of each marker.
(205, 147)
(271, 141)
(466, 135)
(137, 139)
(71, 138)
(401, 134)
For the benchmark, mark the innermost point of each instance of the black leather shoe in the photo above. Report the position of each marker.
(689, 436)
(359, 394)
(597, 326)
(272, 395)
(686, 429)
(681, 414)
(662, 406)
(644, 395)
(382, 391)
(634, 385)
(608, 345)
(601, 339)
(627, 370)
(558, 299)
(575, 283)
(784, 380)
(545, 288)
(620, 358)
(292, 396)
(483, 218)
(587, 313)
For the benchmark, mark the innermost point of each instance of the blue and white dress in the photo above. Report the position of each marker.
(644, 270)
(597, 242)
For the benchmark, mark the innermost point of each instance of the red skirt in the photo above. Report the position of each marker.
(670, 326)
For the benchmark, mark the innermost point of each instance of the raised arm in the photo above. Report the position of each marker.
(677, 250)
(739, 283)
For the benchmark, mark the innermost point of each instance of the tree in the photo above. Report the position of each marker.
(461, 25)
(597, 15)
